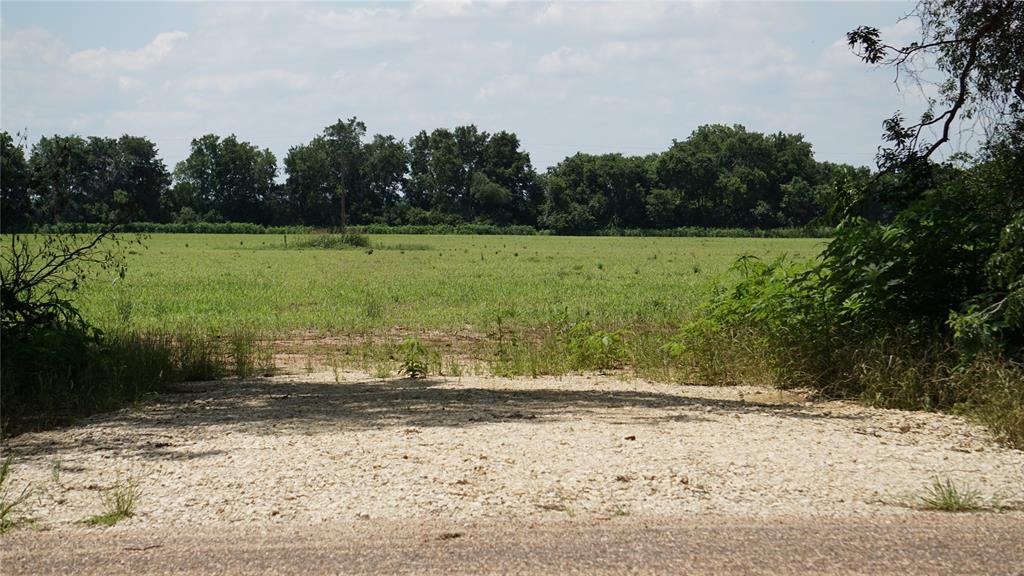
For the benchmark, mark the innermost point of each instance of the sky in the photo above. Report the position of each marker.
(567, 77)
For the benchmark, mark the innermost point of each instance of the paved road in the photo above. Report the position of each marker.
(920, 544)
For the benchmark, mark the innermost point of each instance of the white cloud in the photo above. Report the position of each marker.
(102, 62)
(506, 85)
(441, 8)
(127, 83)
(366, 27)
(567, 59)
(612, 54)
(607, 17)
(235, 82)
(31, 44)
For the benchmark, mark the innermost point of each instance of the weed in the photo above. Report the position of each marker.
(591, 349)
(382, 371)
(55, 470)
(8, 502)
(373, 306)
(453, 368)
(248, 356)
(334, 241)
(414, 358)
(119, 503)
(945, 496)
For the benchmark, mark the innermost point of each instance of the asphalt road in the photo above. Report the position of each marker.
(931, 544)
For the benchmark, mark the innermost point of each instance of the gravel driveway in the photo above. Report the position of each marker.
(311, 449)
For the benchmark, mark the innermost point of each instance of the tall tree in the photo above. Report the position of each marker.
(385, 170)
(15, 199)
(232, 178)
(344, 141)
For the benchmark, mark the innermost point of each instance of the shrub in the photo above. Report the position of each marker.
(590, 349)
(414, 358)
(333, 241)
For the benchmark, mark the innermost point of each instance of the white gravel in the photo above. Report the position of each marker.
(308, 449)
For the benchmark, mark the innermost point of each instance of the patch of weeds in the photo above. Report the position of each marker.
(9, 502)
(249, 356)
(334, 242)
(382, 370)
(453, 368)
(592, 349)
(373, 306)
(414, 358)
(119, 502)
(946, 496)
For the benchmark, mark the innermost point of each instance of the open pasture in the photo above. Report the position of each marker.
(218, 283)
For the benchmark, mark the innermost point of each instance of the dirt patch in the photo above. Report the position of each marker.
(308, 449)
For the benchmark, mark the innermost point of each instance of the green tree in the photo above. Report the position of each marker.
(15, 194)
(227, 177)
(385, 172)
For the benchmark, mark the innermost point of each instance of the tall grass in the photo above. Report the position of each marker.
(58, 376)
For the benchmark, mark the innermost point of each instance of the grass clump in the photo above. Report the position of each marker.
(119, 503)
(946, 496)
(344, 241)
(9, 502)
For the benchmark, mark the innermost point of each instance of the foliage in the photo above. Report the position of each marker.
(172, 228)
(587, 348)
(231, 178)
(946, 496)
(333, 241)
(720, 177)
(922, 312)
(57, 365)
(15, 183)
(8, 501)
(119, 502)
(413, 357)
(37, 278)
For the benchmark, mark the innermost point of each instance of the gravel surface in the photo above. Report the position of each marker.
(311, 449)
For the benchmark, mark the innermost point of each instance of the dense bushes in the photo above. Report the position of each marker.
(926, 312)
(922, 313)
(56, 366)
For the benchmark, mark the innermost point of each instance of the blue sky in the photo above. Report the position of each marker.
(566, 76)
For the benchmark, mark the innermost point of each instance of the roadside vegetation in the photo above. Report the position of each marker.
(10, 500)
(119, 502)
(916, 302)
(924, 310)
(947, 496)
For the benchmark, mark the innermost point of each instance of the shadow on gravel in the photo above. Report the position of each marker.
(270, 406)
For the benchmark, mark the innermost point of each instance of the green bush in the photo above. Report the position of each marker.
(587, 348)
(923, 312)
(414, 358)
(344, 241)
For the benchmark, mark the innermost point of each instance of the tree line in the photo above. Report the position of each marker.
(720, 176)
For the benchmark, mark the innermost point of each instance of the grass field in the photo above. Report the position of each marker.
(414, 283)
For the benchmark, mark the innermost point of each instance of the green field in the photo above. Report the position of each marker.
(415, 283)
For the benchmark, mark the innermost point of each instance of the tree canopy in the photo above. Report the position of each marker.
(719, 176)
